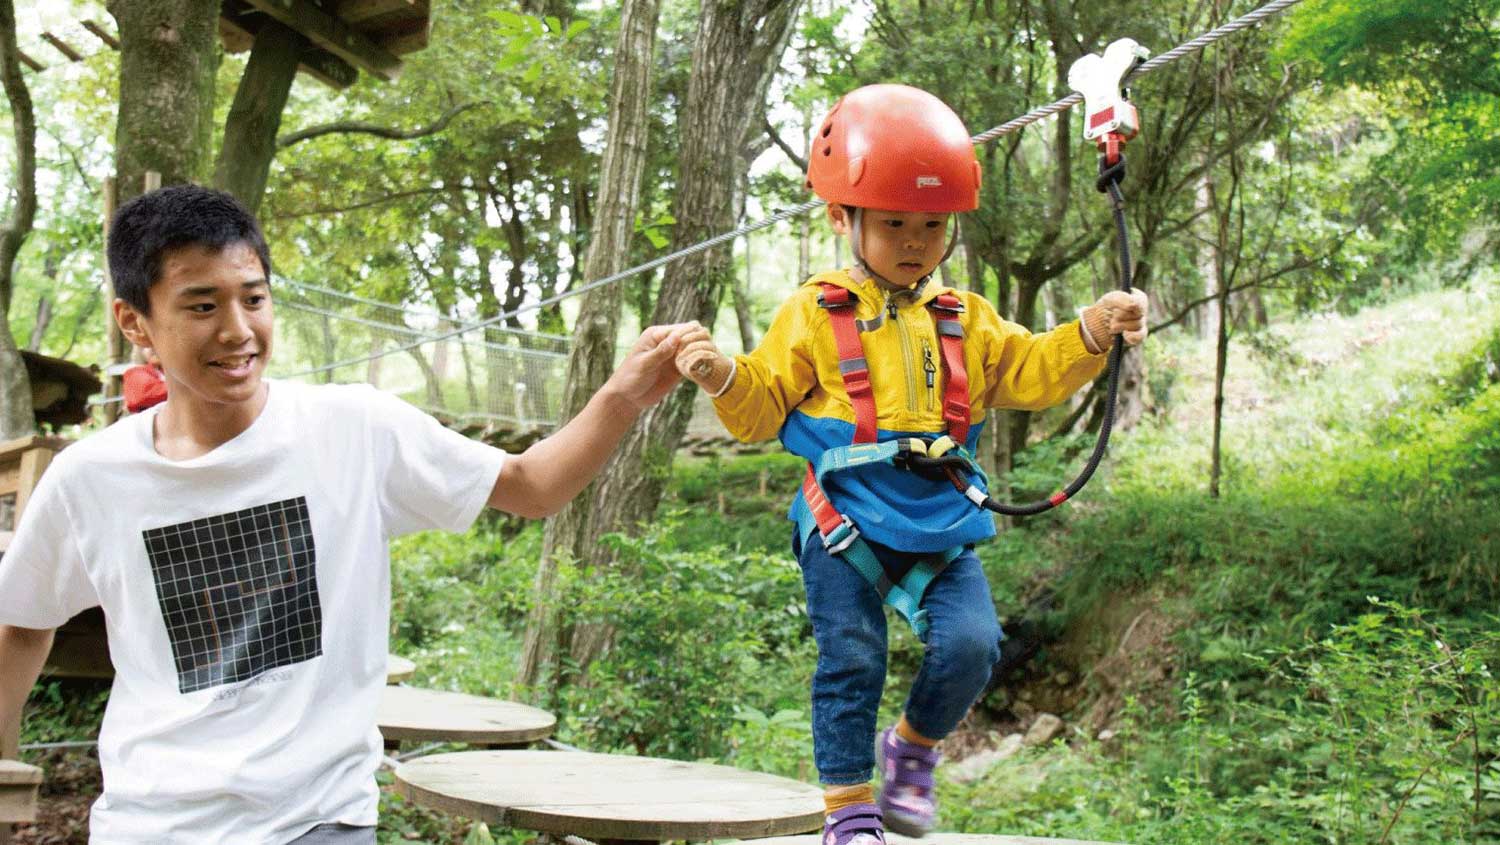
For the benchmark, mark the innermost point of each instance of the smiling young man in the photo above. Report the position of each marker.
(235, 536)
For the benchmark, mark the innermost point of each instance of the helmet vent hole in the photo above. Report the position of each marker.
(828, 151)
(827, 129)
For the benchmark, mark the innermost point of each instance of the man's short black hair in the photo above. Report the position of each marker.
(146, 228)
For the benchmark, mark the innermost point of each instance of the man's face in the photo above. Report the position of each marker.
(210, 324)
(902, 246)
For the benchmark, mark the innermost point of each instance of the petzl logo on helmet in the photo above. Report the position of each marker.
(929, 182)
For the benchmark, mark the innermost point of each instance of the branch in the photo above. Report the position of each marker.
(1300, 264)
(361, 127)
(23, 120)
(365, 204)
(783, 146)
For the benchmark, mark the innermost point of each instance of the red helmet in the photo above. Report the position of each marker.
(896, 148)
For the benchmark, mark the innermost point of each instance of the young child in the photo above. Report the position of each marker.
(919, 359)
(235, 536)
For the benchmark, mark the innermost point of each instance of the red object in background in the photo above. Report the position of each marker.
(144, 387)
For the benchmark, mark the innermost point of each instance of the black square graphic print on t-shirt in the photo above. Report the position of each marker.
(238, 592)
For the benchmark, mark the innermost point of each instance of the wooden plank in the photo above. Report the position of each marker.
(62, 47)
(13, 773)
(937, 839)
(333, 35)
(34, 462)
(102, 34)
(79, 654)
(358, 12)
(238, 24)
(10, 479)
(421, 715)
(28, 61)
(408, 37)
(18, 789)
(398, 669)
(602, 796)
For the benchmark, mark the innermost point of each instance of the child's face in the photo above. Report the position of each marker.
(210, 323)
(902, 246)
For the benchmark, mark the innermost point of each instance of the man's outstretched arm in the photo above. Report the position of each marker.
(538, 482)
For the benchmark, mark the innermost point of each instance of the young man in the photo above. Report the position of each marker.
(235, 536)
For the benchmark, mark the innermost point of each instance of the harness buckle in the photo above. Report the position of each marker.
(842, 299)
(955, 408)
(956, 306)
(841, 537)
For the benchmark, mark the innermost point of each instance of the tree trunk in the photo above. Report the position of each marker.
(16, 418)
(254, 118)
(569, 535)
(737, 51)
(168, 56)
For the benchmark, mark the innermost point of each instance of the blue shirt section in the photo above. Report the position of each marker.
(889, 505)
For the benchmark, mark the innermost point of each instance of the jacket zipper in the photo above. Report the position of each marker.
(930, 368)
(906, 356)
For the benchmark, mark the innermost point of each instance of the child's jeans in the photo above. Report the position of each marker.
(963, 643)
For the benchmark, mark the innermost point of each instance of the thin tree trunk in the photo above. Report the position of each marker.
(255, 117)
(742, 303)
(569, 535)
(43, 320)
(1221, 348)
(737, 51)
(16, 418)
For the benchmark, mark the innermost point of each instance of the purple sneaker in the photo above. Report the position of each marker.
(857, 824)
(906, 796)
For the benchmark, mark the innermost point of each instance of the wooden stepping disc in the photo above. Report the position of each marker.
(605, 796)
(398, 669)
(414, 714)
(937, 839)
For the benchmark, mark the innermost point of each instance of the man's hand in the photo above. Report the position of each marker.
(700, 360)
(648, 372)
(1116, 312)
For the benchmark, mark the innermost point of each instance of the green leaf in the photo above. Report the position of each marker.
(554, 24)
(575, 28)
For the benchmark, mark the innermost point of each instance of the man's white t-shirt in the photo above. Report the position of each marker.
(247, 599)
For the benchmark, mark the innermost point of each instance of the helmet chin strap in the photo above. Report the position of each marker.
(859, 257)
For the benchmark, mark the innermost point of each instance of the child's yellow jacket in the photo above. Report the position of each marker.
(791, 385)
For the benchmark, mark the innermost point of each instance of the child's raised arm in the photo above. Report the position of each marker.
(754, 393)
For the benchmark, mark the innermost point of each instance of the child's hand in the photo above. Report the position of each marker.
(1116, 312)
(700, 360)
(647, 374)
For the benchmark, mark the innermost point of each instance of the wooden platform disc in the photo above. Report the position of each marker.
(936, 839)
(398, 669)
(413, 714)
(605, 796)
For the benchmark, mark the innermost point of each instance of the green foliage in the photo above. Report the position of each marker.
(63, 711)
(1384, 730)
(692, 643)
(1434, 64)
